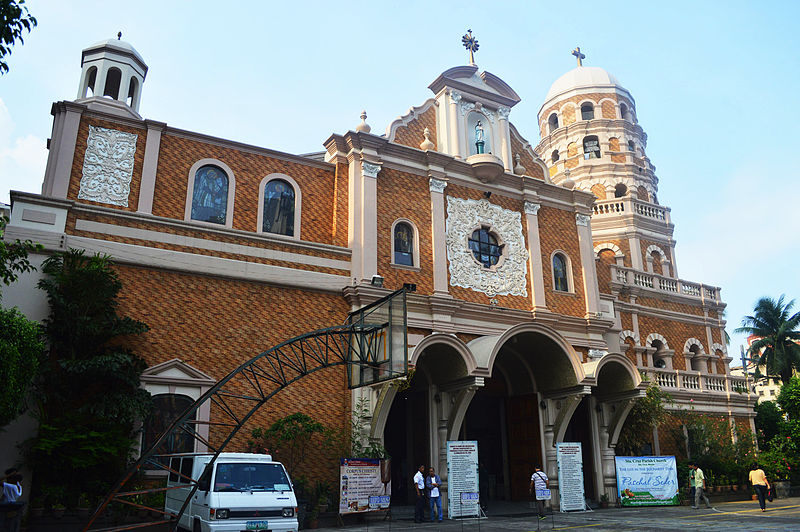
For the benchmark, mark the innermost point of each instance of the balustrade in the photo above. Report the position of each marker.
(691, 382)
(618, 206)
(629, 276)
(715, 384)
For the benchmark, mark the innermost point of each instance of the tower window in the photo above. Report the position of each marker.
(555, 155)
(91, 79)
(113, 81)
(403, 244)
(553, 122)
(587, 111)
(484, 247)
(278, 208)
(560, 279)
(210, 195)
(631, 146)
(620, 191)
(623, 111)
(591, 147)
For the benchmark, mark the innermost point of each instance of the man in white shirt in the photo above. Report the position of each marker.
(419, 485)
(539, 481)
(11, 511)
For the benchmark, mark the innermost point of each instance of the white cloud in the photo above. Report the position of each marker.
(22, 158)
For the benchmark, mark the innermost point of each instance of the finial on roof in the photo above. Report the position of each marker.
(471, 44)
(427, 144)
(577, 53)
(119, 36)
(567, 183)
(518, 168)
(363, 127)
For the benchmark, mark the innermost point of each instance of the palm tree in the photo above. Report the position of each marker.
(776, 346)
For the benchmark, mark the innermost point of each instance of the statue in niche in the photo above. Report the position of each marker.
(479, 138)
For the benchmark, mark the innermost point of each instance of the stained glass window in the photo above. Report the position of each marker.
(403, 244)
(560, 273)
(210, 196)
(591, 147)
(278, 208)
(587, 111)
(166, 409)
(485, 248)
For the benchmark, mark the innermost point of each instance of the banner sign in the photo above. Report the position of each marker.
(570, 476)
(647, 480)
(365, 485)
(462, 479)
(543, 495)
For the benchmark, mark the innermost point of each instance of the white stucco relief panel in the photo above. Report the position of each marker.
(108, 166)
(508, 277)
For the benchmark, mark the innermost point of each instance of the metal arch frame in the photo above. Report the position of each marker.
(354, 344)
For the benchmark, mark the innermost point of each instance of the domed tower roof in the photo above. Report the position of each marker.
(116, 45)
(581, 77)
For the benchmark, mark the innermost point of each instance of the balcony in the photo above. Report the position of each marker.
(665, 285)
(608, 208)
(694, 381)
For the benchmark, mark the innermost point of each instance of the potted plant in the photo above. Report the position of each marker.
(58, 510)
(604, 500)
(37, 506)
(83, 506)
(313, 516)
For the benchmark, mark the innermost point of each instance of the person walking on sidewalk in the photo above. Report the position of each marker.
(419, 486)
(432, 483)
(760, 483)
(539, 481)
(691, 484)
(699, 486)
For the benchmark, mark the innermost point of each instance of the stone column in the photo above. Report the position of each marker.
(438, 230)
(535, 267)
(370, 218)
(150, 166)
(636, 253)
(455, 133)
(505, 139)
(588, 266)
(67, 119)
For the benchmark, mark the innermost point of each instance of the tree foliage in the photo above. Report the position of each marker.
(15, 20)
(14, 255)
(768, 422)
(789, 398)
(289, 438)
(647, 412)
(21, 352)
(91, 382)
(776, 347)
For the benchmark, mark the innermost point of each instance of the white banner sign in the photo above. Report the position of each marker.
(462, 478)
(647, 480)
(570, 476)
(364, 485)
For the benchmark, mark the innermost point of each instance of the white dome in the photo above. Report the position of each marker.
(581, 77)
(116, 45)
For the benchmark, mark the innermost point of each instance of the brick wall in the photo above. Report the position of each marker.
(608, 109)
(557, 230)
(599, 191)
(412, 134)
(603, 263)
(532, 169)
(676, 334)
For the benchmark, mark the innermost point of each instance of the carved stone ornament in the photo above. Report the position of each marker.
(455, 96)
(370, 169)
(532, 208)
(463, 217)
(466, 107)
(503, 112)
(437, 185)
(594, 354)
(582, 219)
(108, 166)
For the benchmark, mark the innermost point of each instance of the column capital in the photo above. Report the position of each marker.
(370, 169)
(582, 219)
(455, 96)
(437, 185)
(532, 207)
(503, 112)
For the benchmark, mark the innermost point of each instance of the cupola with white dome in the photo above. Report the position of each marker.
(112, 72)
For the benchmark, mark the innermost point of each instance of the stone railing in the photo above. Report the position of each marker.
(618, 206)
(659, 283)
(694, 381)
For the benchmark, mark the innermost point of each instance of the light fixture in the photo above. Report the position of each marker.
(409, 287)
(377, 280)
(488, 194)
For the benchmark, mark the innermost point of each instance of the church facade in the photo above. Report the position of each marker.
(547, 288)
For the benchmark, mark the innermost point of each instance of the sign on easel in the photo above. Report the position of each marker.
(462, 479)
(570, 477)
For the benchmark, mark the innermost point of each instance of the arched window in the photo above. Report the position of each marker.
(166, 409)
(631, 146)
(113, 81)
(620, 191)
(591, 147)
(91, 79)
(587, 111)
(560, 273)
(133, 90)
(553, 122)
(210, 195)
(697, 362)
(485, 247)
(623, 111)
(278, 208)
(403, 236)
(555, 156)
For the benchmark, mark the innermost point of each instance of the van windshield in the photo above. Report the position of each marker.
(251, 477)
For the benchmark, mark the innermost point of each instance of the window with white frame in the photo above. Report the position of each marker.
(210, 195)
(403, 244)
(278, 208)
(561, 281)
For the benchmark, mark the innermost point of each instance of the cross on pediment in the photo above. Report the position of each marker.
(577, 53)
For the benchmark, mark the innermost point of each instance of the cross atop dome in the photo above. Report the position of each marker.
(577, 53)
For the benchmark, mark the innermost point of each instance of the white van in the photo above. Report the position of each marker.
(240, 492)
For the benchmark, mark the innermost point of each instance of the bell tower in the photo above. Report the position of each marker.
(112, 70)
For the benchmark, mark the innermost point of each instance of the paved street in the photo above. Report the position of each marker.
(783, 514)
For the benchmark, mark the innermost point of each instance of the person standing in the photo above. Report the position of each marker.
(432, 483)
(760, 483)
(699, 486)
(539, 481)
(419, 486)
(691, 484)
(11, 511)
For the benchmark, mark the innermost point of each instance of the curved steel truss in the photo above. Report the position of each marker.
(372, 344)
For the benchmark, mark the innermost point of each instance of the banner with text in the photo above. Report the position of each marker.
(462, 479)
(365, 485)
(647, 480)
(570, 476)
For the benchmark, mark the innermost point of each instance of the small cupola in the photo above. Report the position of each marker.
(112, 70)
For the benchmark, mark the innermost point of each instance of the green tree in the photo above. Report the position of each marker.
(768, 422)
(15, 19)
(289, 438)
(90, 392)
(789, 398)
(14, 255)
(776, 331)
(647, 412)
(21, 350)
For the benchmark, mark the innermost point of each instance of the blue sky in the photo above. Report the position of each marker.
(715, 85)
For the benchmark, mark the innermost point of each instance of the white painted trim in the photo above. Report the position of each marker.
(412, 114)
(608, 245)
(210, 245)
(187, 215)
(298, 204)
(651, 249)
(594, 109)
(717, 346)
(415, 231)
(627, 333)
(570, 280)
(693, 341)
(656, 336)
